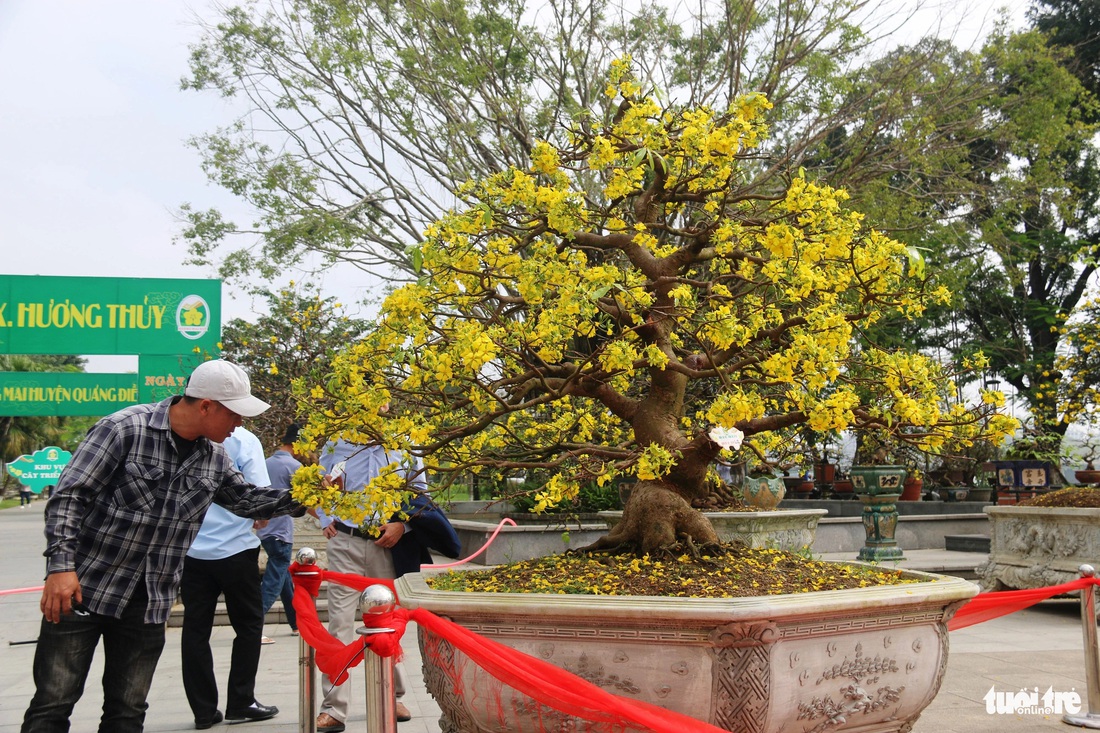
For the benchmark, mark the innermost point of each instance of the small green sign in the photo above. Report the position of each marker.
(65, 393)
(40, 470)
(108, 315)
(164, 376)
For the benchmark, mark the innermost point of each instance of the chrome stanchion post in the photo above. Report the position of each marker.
(1090, 719)
(378, 670)
(307, 661)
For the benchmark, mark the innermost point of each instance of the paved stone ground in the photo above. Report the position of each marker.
(1039, 647)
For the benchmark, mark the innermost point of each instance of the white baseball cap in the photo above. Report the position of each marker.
(226, 383)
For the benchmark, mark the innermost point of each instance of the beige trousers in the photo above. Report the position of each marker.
(347, 554)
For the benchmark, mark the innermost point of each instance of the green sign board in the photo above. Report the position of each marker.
(40, 470)
(65, 393)
(164, 376)
(77, 393)
(107, 315)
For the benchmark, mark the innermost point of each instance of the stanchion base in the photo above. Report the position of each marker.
(1088, 720)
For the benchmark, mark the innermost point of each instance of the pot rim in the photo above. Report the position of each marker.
(938, 591)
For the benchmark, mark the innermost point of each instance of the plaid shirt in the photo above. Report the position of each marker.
(126, 510)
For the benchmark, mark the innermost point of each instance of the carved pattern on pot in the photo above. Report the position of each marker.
(1046, 541)
(854, 700)
(603, 634)
(742, 687)
(594, 672)
(860, 668)
(740, 635)
(858, 623)
(440, 675)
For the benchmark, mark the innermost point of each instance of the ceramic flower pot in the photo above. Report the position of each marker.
(879, 487)
(867, 659)
(1087, 476)
(763, 492)
(784, 529)
(876, 480)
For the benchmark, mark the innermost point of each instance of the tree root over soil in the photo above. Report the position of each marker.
(655, 518)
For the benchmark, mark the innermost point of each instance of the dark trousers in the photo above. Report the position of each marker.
(276, 582)
(131, 650)
(238, 579)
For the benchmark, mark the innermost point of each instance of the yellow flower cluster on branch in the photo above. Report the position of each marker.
(595, 312)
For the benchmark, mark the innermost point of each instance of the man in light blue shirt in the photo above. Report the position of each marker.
(224, 560)
(352, 549)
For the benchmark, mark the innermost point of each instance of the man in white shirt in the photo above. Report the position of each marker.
(224, 560)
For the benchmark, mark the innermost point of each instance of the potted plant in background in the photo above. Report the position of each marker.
(627, 305)
(1032, 463)
(1089, 453)
(913, 486)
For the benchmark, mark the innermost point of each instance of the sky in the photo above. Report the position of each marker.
(93, 131)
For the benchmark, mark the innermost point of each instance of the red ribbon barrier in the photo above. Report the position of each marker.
(533, 677)
(988, 606)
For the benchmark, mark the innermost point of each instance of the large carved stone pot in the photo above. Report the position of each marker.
(1036, 546)
(868, 659)
(782, 529)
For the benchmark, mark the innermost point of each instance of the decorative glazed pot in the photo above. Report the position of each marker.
(876, 480)
(783, 529)
(879, 487)
(867, 659)
(763, 492)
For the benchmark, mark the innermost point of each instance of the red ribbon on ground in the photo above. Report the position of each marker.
(988, 606)
(533, 677)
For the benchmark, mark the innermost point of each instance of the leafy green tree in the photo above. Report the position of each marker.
(294, 340)
(1037, 225)
(363, 116)
(1075, 25)
(1003, 205)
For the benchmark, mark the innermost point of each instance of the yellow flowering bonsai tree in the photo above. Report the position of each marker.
(632, 305)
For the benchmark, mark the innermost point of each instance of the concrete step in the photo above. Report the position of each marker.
(967, 542)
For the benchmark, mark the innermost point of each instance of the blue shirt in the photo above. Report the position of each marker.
(280, 467)
(364, 463)
(224, 534)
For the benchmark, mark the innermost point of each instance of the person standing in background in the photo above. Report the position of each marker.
(277, 537)
(224, 561)
(353, 549)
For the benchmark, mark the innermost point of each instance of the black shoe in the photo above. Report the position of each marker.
(253, 712)
(204, 724)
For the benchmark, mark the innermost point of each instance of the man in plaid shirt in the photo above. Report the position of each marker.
(118, 525)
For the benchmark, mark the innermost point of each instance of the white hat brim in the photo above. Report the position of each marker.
(246, 406)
